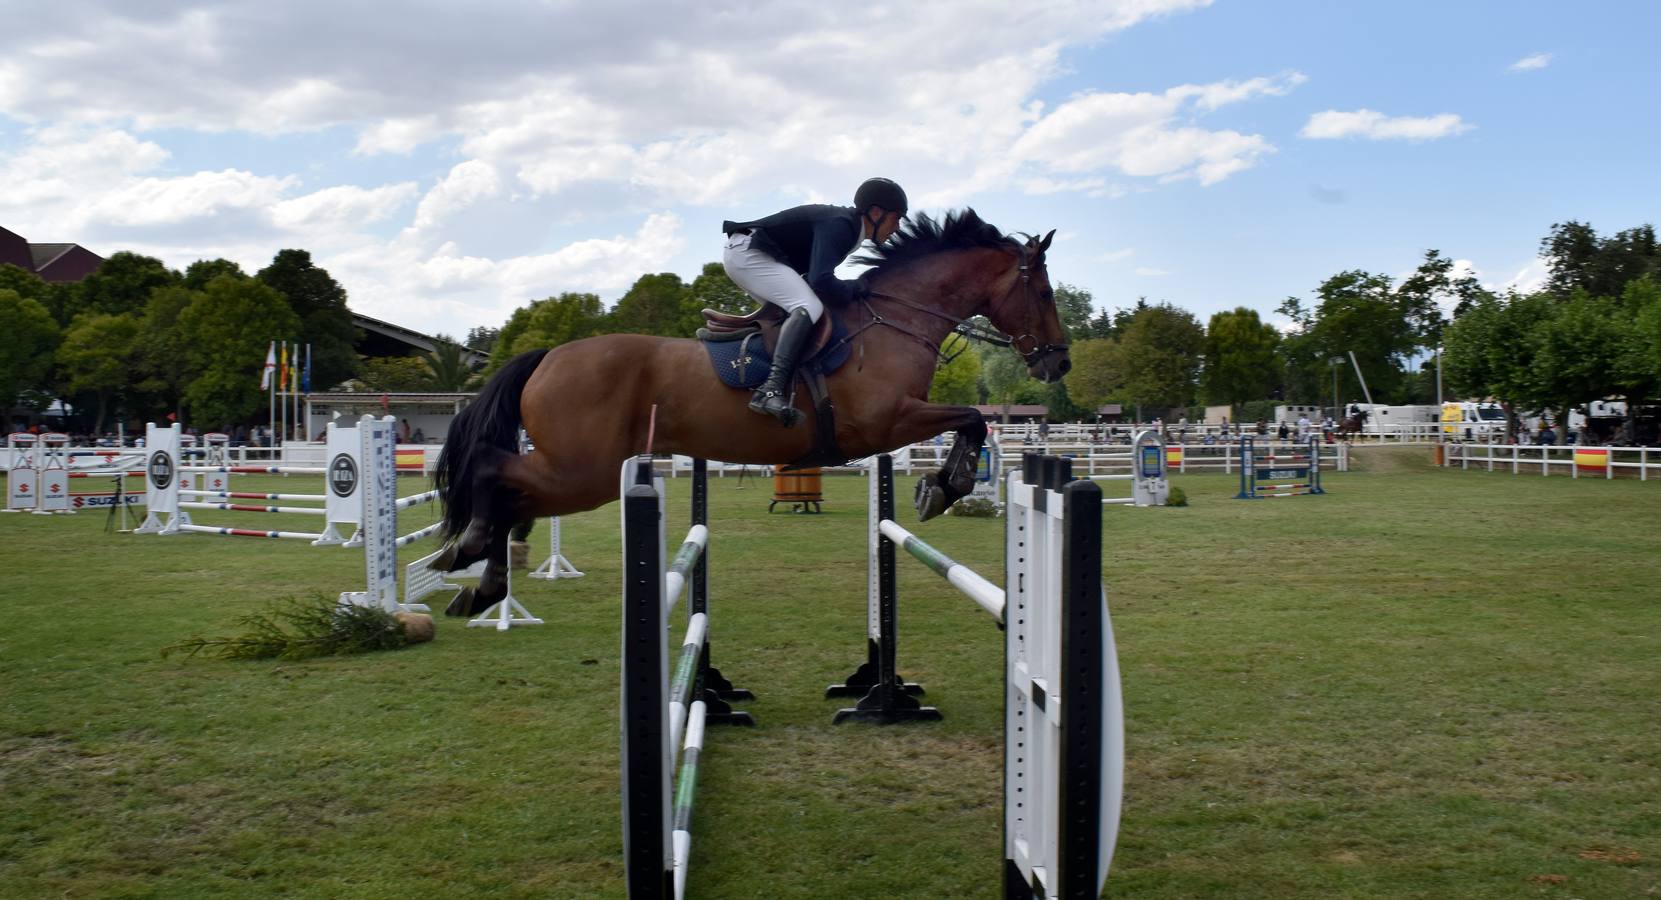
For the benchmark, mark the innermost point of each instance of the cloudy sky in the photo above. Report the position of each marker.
(449, 162)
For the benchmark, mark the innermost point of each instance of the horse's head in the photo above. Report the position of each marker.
(1026, 311)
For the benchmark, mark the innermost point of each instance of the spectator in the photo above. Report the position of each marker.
(1284, 431)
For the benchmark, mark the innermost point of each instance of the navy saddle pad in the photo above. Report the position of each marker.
(744, 363)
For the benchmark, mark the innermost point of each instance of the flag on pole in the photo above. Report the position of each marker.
(270, 366)
(305, 376)
(282, 376)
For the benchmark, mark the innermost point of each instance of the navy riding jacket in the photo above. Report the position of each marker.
(813, 240)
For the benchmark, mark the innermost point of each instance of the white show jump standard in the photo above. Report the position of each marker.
(1064, 719)
(1149, 484)
(343, 500)
(663, 717)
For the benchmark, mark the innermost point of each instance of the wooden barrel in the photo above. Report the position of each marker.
(798, 487)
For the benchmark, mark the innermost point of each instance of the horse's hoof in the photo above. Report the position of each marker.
(446, 559)
(473, 539)
(930, 499)
(461, 604)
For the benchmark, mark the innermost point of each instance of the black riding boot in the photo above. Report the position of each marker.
(773, 397)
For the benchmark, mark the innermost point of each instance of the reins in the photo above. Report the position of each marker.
(968, 329)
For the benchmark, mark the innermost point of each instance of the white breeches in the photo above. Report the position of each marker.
(766, 279)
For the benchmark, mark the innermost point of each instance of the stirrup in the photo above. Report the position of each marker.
(778, 405)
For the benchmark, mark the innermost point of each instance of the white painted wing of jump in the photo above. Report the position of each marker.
(1113, 747)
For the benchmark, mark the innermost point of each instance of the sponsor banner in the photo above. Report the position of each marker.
(104, 501)
(20, 489)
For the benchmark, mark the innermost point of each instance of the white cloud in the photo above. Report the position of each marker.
(1530, 63)
(466, 184)
(1140, 135)
(592, 126)
(1119, 255)
(1150, 272)
(345, 205)
(1377, 126)
(1530, 278)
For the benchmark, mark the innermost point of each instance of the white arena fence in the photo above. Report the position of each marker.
(1570, 461)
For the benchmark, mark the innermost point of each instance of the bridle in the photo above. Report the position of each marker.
(965, 327)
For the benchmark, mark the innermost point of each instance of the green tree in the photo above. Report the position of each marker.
(655, 304)
(1580, 260)
(162, 351)
(1489, 351)
(96, 358)
(227, 329)
(28, 337)
(1074, 306)
(713, 289)
(1097, 374)
(482, 338)
(202, 271)
(1578, 350)
(447, 368)
(1420, 296)
(320, 303)
(956, 382)
(1241, 363)
(1003, 373)
(23, 282)
(395, 374)
(549, 322)
(1160, 357)
(121, 286)
(1641, 351)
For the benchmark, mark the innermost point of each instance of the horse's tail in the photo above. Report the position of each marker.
(488, 427)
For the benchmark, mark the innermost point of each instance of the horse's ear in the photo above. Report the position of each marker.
(1045, 243)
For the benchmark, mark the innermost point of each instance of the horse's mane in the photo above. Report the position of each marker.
(921, 236)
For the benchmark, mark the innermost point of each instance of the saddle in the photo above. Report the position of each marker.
(741, 350)
(765, 322)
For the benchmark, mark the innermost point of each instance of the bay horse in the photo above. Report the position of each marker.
(589, 404)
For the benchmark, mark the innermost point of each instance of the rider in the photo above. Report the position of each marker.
(786, 257)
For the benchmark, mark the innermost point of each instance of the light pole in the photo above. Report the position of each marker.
(1337, 411)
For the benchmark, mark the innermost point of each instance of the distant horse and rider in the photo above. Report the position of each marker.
(1352, 424)
(587, 405)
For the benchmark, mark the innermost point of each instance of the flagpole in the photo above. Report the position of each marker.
(270, 389)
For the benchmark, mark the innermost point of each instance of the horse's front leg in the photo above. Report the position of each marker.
(955, 480)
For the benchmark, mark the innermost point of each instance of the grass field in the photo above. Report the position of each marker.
(1432, 684)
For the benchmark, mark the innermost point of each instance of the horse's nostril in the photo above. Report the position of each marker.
(1066, 366)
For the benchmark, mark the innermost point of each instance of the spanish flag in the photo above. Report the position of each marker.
(282, 370)
(1594, 459)
(1173, 457)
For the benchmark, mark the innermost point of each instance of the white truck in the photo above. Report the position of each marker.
(1468, 420)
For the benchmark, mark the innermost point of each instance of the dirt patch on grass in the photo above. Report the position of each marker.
(1387, 460)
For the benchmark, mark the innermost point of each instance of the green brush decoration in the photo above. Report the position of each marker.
(302, 629)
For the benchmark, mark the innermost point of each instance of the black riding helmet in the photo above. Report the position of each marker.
(880, 192)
